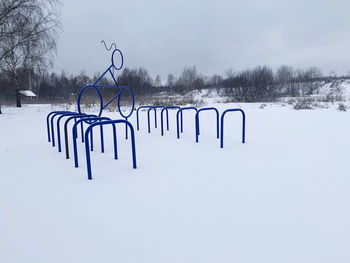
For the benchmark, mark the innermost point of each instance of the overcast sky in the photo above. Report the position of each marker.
(164, 36)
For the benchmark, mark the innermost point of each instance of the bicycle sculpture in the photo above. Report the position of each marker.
(95, 120)
(110, 71)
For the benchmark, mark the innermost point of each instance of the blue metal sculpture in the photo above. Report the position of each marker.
(177, 119)
(197, 120)
(222, 125)
(110, 71)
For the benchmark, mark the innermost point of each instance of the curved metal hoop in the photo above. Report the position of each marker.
(107, 122)
(177, 119)
(48, 121)
(75, 117)
(137, 114)
(167, 117)
(197, 120)
(75, 136)
(222, 125)
(155, 116)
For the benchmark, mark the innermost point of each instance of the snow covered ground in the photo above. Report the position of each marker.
(281, 197)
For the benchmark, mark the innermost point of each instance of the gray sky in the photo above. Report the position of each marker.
(164, 36)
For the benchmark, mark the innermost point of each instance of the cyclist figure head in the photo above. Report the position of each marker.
(115, 53)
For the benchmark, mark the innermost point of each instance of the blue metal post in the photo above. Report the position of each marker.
(82, 131)
(102, 144)
(115, 142)
(167, 119)
(148, 122)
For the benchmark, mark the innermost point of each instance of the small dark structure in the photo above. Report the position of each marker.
(26, 93)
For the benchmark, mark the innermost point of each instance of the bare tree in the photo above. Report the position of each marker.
(171, 81)
(29, 29)
(285, 74)
(190, 79)
(230, 73)
(158, 81)
(313, 73)
(215, 80)
(284, 79)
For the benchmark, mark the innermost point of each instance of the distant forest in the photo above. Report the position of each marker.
(261, 83)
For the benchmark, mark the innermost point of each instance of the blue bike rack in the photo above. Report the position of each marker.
(52, 125)
(197, 120)
(222, 125)
(167, 117)
(137, 115)
(58, 126)
(66, 129)
(177, 119)
(101, 123)
(48, 121)
(155, 116)
(93, 120)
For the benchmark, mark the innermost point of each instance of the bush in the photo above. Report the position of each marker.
(304, 104)
(341, 107)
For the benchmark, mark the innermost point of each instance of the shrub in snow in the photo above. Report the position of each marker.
(290, 101)
(341, 107)
(304, 104)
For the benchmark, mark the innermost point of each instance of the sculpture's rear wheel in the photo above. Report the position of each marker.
(88, 91)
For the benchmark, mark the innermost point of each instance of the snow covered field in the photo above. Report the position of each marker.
(281, 197)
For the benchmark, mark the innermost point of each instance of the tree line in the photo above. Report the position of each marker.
(260, 83)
